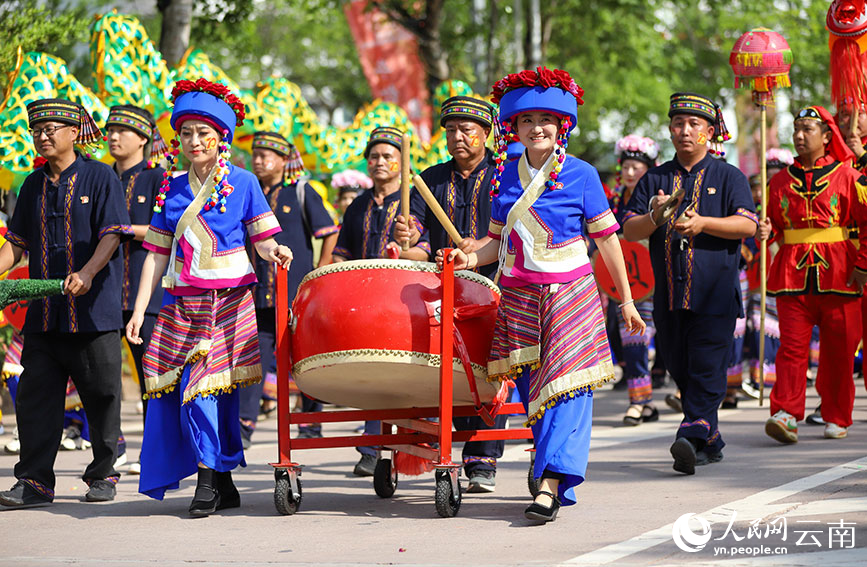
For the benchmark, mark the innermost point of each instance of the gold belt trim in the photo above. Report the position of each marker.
(815, 235)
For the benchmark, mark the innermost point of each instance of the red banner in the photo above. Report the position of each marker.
(389, 58)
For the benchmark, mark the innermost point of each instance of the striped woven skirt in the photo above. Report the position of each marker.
(558, 329)
(215, 334)
(551, 340)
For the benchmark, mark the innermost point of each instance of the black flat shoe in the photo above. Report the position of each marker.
(684, 456)
(648, 416)
(729, 403)
(541, 513)
(207, 498)
(229, 496)
(674, 403)
(633, 420)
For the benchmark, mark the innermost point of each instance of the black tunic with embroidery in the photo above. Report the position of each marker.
(367, 227)
(140, 185)
(60, 226)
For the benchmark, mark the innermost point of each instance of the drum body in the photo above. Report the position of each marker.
(366, 334)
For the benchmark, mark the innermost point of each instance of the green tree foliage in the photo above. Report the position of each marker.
(305, 41)
(632, 54)
(628, 55)
(39, 28)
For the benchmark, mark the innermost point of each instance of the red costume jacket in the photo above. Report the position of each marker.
(810, 211)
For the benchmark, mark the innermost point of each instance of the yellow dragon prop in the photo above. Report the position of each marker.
(127, 68)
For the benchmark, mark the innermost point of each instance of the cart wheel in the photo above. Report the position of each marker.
(284, 500)
(448, 503)
(384, 479)
(532, 482)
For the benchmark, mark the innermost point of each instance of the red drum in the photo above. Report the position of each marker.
(366, 334)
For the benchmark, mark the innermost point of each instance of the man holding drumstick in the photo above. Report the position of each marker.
(367, 228)
(462, 187)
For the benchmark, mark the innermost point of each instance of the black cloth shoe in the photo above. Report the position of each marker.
(23, 495)
(100, 491)
(684, 455)
(649, 414)
(729, 403)
(365, 466)
(207, 498)
(541, 513)
(702, 458)
(229, 496)
(674, 403)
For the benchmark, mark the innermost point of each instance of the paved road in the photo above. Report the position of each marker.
(625, 515)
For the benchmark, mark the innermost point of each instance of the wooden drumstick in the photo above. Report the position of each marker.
(405, 173)
(437, 209)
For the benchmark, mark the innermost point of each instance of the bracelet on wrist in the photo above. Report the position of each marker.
(625, 303)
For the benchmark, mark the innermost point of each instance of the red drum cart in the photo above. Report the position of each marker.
(372, 334)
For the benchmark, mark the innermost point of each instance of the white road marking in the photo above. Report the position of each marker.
(756, 506)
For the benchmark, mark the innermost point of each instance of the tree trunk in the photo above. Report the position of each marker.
(175, 31)
(426, 30)
(533, 42)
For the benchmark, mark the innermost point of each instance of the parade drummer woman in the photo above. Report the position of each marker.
(204, 344)
(550, 334)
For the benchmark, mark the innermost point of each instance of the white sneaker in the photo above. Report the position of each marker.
(14, 446)
(72, 440)
(120, 461)
(134, 468)
(783, 427)
(834, 431)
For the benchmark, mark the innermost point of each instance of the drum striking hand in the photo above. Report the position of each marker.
(406, 230)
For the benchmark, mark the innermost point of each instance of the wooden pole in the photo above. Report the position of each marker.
(438, 211)
(763, 255)
(405, 173)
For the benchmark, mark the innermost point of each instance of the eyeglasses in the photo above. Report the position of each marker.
(48, 131)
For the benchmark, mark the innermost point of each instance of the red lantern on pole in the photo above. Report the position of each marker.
(761, 60)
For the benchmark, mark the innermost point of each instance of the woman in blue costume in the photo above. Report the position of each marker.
(204, 344)
(550, 333)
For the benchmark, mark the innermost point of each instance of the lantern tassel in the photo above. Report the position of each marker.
(848, 72)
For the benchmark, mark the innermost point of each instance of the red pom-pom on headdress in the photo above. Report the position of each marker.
(541, 77)
(215, 89)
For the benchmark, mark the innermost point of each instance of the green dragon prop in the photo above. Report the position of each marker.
(128, 69)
